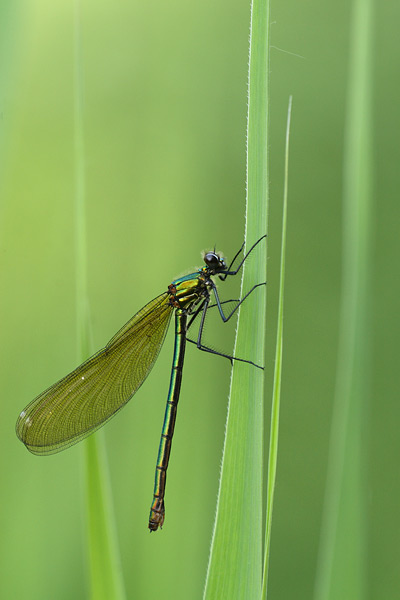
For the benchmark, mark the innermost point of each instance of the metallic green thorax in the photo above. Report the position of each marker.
(186, 291)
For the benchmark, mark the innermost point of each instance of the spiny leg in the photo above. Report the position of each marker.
(223, 302)
(219, 303)
(230, 358)
(204, 307)
(228, 271)
(200, 308)
(235, 257)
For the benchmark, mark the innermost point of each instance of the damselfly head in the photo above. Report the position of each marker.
(215, 262)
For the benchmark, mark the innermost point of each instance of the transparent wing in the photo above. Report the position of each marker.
(88, 397)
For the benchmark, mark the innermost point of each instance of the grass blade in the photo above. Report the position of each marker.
(104, 564)
(276, 394)
(234, 570)
(106, 581)
(341, 570)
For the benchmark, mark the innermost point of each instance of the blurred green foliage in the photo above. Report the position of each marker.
(165, 123)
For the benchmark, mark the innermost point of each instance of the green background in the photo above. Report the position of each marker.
(165, 124)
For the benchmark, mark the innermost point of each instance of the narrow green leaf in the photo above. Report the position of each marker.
(234, 569)
(276, 394)
(341, 569)
(106, 581)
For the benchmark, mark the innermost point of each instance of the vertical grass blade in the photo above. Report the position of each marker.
(341, 569)
(104, 564)
(235, 564)
(106, 580)
(276, 394)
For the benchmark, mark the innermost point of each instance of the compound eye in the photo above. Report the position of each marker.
(212, 260)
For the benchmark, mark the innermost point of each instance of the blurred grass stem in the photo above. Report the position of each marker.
(341, 571)
(276, 394)
(104, 564)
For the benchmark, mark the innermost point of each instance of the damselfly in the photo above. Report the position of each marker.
(87, 398)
